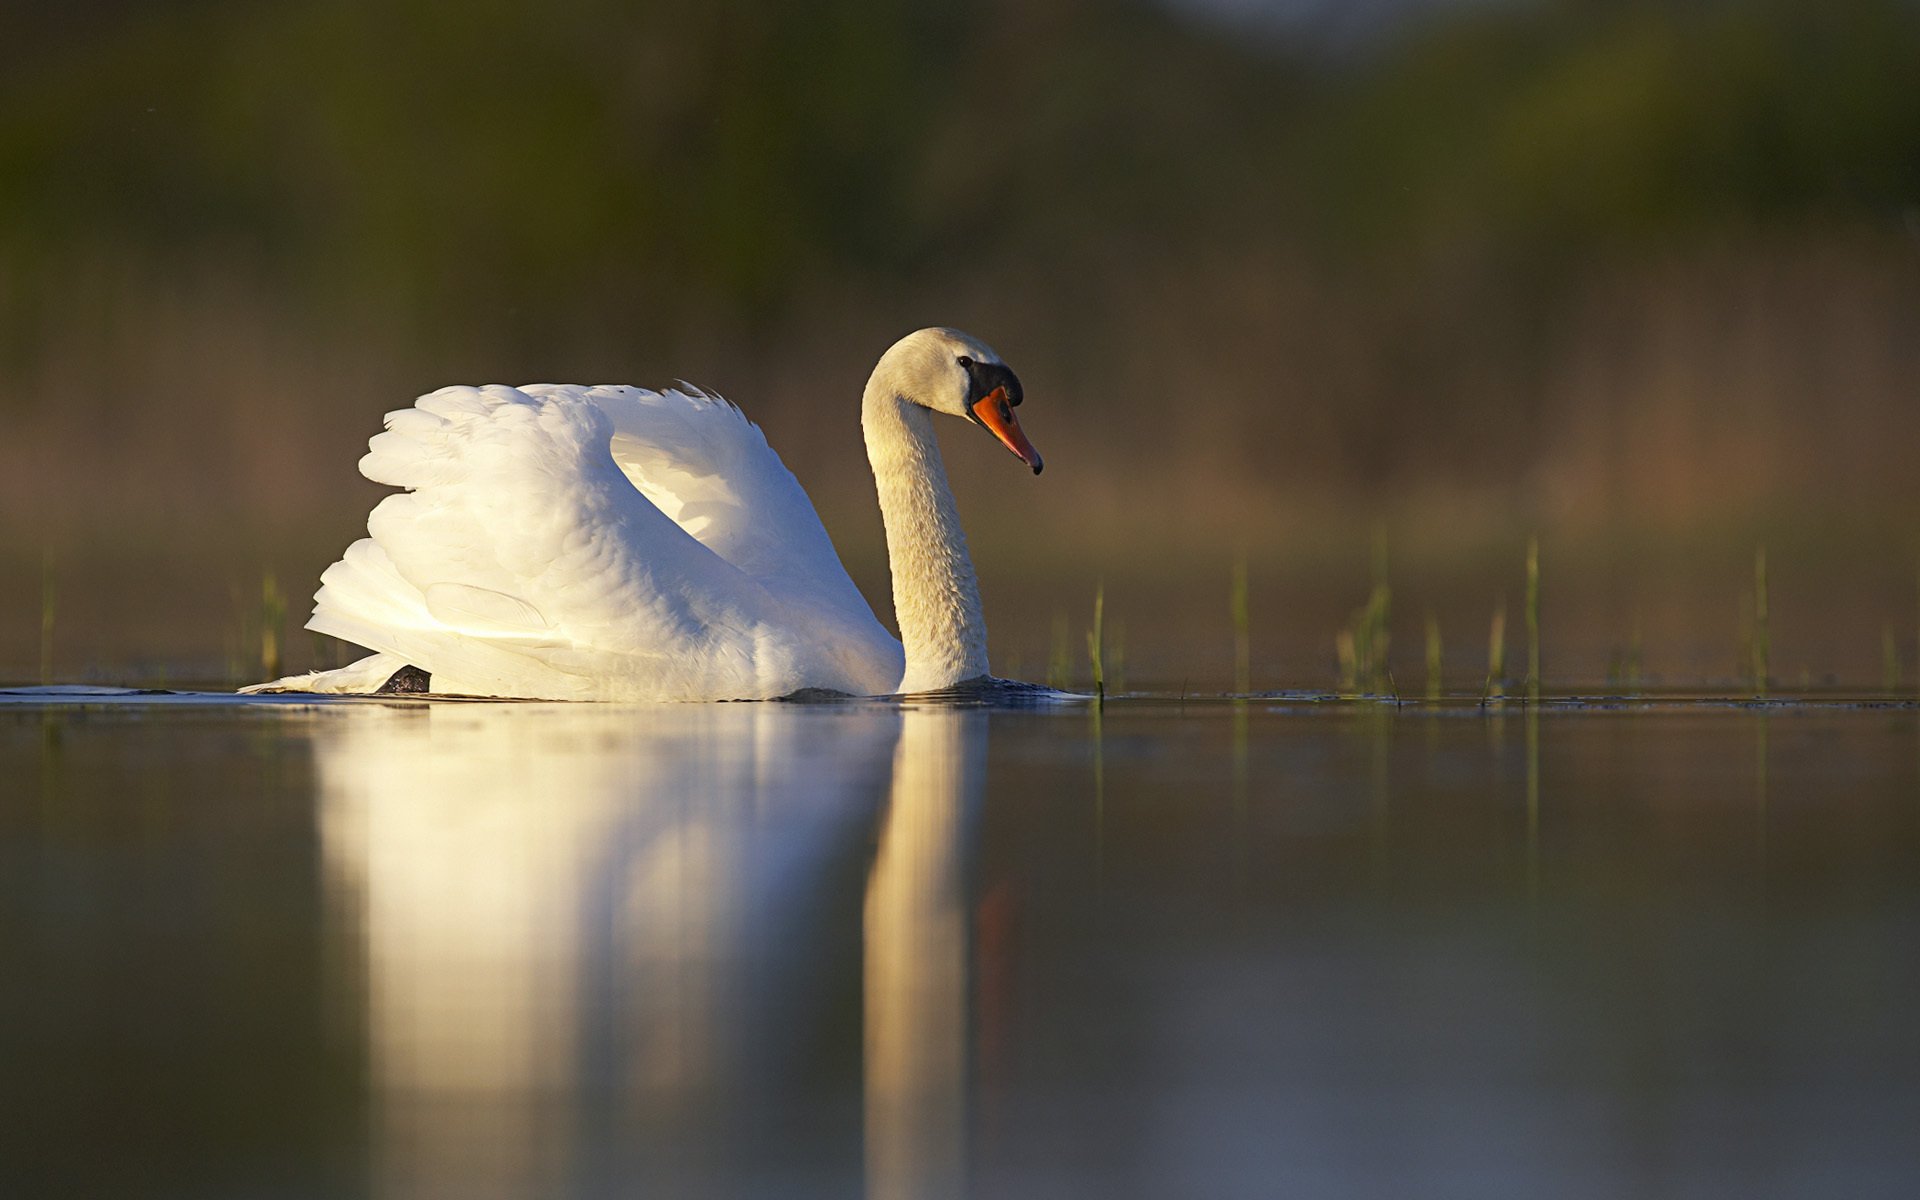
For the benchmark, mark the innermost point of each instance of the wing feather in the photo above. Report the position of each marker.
(710, 469)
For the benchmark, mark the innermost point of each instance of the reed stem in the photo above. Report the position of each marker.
(1497, 652)
(1379, 636)
(1433, 656)
(273, 612)
(1634, 654)
(1096, 641)
(1242, 633)
(1533, 619)
(48, 597)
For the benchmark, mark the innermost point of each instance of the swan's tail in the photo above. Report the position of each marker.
(362, 599)
(355, 679)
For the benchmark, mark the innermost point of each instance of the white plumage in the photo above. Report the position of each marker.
(614, 543)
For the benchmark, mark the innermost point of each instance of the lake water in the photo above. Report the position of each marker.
(418, 948)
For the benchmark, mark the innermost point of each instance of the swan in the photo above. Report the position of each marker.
(613, 543)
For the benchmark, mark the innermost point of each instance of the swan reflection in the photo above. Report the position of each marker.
(676, 946)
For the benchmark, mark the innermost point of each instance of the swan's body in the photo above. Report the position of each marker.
(613, 543)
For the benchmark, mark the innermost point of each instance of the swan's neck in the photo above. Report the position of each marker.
(936, 599)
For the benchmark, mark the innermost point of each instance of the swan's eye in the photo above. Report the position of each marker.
(965, 361)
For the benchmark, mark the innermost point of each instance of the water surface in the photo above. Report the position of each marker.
(429, 948)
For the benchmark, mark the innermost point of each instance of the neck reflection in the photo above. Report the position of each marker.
(917, 946)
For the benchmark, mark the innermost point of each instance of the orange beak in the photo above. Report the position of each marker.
(996, 414)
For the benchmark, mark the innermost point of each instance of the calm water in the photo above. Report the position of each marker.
(512, 950)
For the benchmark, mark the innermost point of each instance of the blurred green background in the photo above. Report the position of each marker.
(1312, 283)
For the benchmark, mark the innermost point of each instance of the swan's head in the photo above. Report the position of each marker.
(960, 375)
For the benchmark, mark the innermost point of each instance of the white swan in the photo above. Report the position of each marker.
(613, 543)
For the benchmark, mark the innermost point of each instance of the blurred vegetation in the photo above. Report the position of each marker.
(1583, 263)
(435, 159)
(1577, 126)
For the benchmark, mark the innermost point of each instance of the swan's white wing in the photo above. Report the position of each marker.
(706, 466)
(523, 562)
